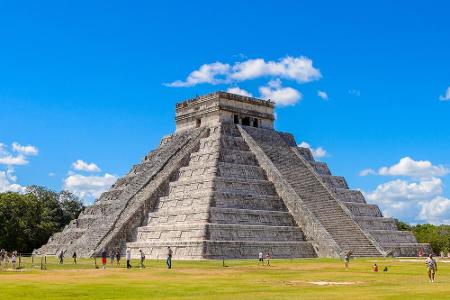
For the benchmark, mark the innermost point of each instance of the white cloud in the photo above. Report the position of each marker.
(316, 152)
(8, 182)
(25, 150)
(239, 91)
(88, 187)
(51, 174)
(436, 211)
(11, 160)
(412, 201)
(283, 96)
(413, 168)
(366, 172)
(445, 97)
(354, 92)
(81, 165)
(207, 73)
(322, 95)
(300, 69)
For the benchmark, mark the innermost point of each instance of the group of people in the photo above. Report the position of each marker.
(261, 258)
(116, 255)
(5, 258)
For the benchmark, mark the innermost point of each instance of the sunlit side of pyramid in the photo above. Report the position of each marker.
(227, 185)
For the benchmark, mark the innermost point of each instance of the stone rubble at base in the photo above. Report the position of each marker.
(227, 185)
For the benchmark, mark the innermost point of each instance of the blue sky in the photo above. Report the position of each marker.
(86, 85)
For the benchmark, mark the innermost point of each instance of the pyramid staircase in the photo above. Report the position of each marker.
(222, 205)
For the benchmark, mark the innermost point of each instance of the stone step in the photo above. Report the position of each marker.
(202, 231)
(363, 209)
(347, 195)
(225, 142)
(218, 249)
(334, 182)
(221, 216)
(320, 167)
(237, 199)
(221, 169)
(230, 156)
(376, 223)
(389, 237)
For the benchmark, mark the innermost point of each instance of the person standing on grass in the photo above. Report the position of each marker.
(260, 258)
(431, 266)
(128, 256)
(61, 257)
(104, 255)
(169, 258)
(142, 258)
(111, 256)
(118, 257)
(347, 260)
(268, 257)
(74, 256)
(14, 259)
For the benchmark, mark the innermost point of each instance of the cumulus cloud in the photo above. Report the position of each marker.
(436, 211)
(239, 91)
(25, 150)
(19, 159)
(8, 182)
(316, 152)
(299, 69)
(366, 172)
(446, 96)
(282, 96)
(406, 200)
(88, 187)
(208, 73)
(322, 95)
(81, 165)
(414, 168)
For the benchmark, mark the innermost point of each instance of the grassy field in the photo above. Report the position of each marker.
(239, 279)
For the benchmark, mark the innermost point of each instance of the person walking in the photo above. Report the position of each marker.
(104, 255)
(261, 258)
(431, 267)
(142, 258)
(169, 258)
(118, 257)
(74, 256)
(347, 260)
(61, 257)
(128, 256)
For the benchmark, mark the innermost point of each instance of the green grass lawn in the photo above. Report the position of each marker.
(239, 279)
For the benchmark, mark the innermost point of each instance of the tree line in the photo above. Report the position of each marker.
(28, 220)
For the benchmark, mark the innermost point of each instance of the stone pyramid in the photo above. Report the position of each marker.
(227, 185)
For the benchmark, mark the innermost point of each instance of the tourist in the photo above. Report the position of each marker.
(104, 255)
(111, 256)
(14, 259)
(142, 258)
(118, 257)
(268, 257)
(347, 260)
(260, 257)
(74, 256)
(128, 257)
(375, 267)
(61, 257)
(169, 258)
(431, 266)
(421, 252)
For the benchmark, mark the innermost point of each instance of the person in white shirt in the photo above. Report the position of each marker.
(261, 257)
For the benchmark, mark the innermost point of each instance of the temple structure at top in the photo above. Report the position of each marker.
(221, 107)
(227, 184)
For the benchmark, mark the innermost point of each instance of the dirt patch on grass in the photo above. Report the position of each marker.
(333, 282)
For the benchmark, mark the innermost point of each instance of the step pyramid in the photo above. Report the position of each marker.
(227, 185)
